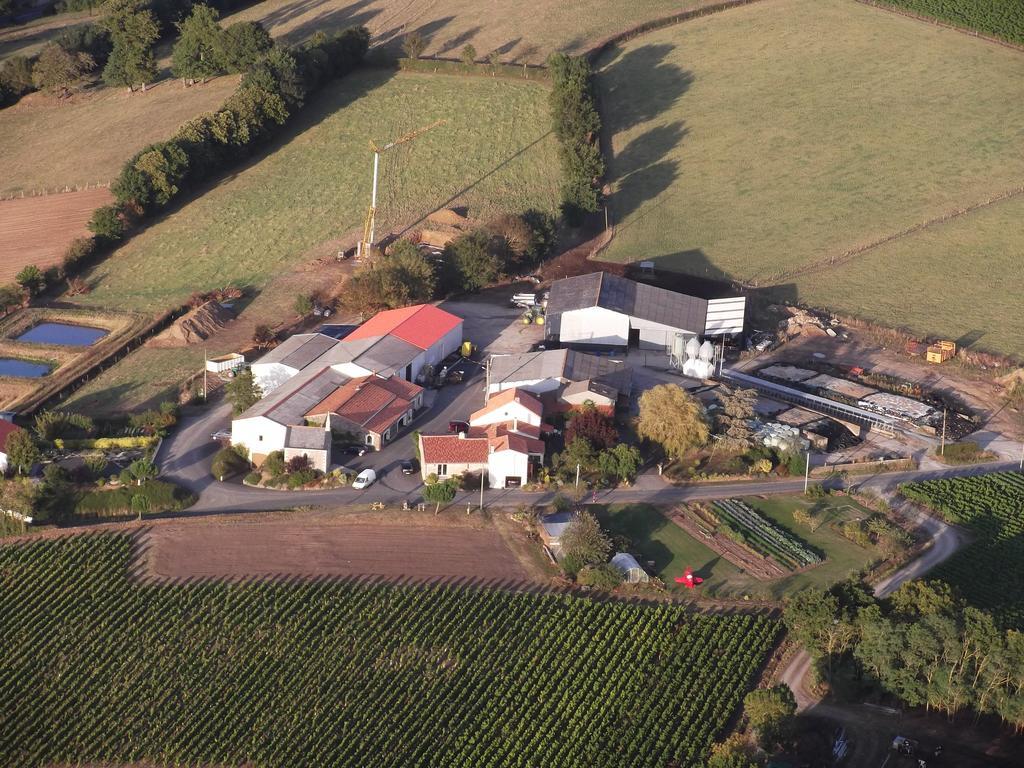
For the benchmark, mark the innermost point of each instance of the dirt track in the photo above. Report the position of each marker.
(37, 230)
(282, 548)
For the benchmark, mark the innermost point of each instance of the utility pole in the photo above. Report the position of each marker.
(577, 480)
(942, 445)
(807, 472)
(1022, 457)
(204, 374)
(483, 474)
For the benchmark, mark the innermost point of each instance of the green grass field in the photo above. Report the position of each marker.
(344, 673)
(45, 143)
(762, 140)
(672, 549)
(495, 153)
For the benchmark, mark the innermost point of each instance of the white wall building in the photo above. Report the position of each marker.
(604, 310)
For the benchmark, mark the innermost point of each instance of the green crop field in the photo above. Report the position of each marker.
(758, 142)
(521, 32)
(45, 143)
(989, 572)
(111, 671)
(495, 153)
(658, 539)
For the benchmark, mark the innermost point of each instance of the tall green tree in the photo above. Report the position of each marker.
(243, 44)
(584, 543)
(772, 714)
(61, 72)
(199, 52)
(133, 30)
(243, 392)
(672, 418)
(22, 451)
(470, 263)
(31, 280)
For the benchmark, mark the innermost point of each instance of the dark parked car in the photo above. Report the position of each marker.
(408, 467)
(458, 426)
(355, 450)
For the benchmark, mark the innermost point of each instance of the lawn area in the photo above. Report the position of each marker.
(45, 143)
(27, 39)
(758, 141)
(521, 32)
(495, 153)
(658, 539)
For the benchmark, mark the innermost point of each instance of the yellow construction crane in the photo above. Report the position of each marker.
(369, 227)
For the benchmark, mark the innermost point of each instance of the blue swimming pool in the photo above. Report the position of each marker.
(24, 369)
(64, 334)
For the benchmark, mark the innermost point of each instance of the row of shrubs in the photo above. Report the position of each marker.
(577, 125)
(268, 95)
(151, 497)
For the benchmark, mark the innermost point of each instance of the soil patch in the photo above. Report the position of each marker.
(343, 549)
(37, 230)
(197, 325)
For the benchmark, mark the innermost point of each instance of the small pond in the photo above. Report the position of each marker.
(25, 369)
(64, 334)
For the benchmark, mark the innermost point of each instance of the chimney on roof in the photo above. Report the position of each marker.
(515, 424)
(462, 435)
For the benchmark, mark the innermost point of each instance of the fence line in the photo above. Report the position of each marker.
(47, 191)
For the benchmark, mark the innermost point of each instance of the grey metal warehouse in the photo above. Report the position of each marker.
(603, 310)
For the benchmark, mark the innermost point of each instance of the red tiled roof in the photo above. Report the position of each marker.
(7, 429)
(524, 438)
(371, 402)
(421, 325)
(507, 397)
(452, 449)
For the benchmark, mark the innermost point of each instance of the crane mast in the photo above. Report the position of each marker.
(369, 226)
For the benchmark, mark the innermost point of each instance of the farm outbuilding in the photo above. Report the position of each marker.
(553, 527)
(312, 442)
(632, 571)
(224, 363)
(600, 310)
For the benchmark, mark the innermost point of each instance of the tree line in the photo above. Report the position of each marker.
(923, 645)
(274, 87)
(577, 125)
(120, 48)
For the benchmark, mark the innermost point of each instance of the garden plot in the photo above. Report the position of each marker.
(764, 536)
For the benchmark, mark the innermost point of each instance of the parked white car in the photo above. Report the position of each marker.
(364, 479)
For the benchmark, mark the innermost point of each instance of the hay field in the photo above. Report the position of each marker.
(495, 153)
(758, 141)
(963, 279)
(518, 32)
(46, 143)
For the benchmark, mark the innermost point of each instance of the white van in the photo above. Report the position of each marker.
(364, 479)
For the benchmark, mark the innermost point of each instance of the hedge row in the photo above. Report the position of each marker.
(268, 95)
(577, 125)
(107, 443)
(999, 18)
(160, 496)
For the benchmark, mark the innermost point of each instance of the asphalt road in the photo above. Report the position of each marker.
(185, 459)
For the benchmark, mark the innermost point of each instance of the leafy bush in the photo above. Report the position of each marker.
(602, 576)
(302, 477)
(108, 443)
(964, 453)
(253, 478)
(160, 496)
(274, 463)
(227, 462)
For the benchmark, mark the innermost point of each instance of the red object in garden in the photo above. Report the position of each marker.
(688, 579)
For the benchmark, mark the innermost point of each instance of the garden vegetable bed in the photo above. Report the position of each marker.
(764, 536)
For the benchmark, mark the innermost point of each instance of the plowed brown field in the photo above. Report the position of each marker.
(37, 230)
(281, 548)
